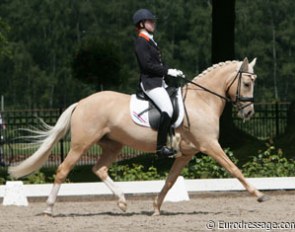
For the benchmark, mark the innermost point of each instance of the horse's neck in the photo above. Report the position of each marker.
(215, 80)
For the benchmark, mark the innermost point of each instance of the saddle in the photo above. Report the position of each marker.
(145, 113)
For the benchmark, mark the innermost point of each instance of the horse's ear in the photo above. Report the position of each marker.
(253, 62)
(244, 66)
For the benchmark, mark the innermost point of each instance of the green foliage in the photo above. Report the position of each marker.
(205, 167)
(4, 45)
(35, 178)
(3, 175)
(264, 30)
(134, 172)
(44, 39)
(98, 63)
(2, 180)
(268, 163)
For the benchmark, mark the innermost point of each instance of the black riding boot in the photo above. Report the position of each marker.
(164, 126)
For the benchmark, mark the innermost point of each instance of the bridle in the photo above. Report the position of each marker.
(238, 99)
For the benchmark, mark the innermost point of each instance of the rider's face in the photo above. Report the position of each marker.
(150, 25)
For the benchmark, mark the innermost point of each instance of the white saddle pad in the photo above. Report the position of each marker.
(137, 106)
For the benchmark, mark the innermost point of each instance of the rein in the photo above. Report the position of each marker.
(238, 98)
(207, 90)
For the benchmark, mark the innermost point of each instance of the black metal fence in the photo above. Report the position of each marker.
(269, 120)
(14, 148)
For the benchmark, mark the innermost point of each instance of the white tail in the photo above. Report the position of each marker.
(48, 139)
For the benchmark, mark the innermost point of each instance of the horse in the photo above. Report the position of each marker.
(103, 118)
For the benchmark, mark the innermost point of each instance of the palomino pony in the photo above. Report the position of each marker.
(104, 118)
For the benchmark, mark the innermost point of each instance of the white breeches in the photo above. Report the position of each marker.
(161, 98)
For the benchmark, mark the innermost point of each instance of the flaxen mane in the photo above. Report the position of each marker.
(213, 67)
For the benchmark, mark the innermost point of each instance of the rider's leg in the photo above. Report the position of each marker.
(164, 126)
(161, 98)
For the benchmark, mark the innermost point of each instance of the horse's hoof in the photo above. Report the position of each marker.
(47, 213)
(122, 205)
(263, 198)
(156, 210)
(156, 213)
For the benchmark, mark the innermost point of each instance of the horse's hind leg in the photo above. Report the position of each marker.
(178, 165)
(188, 151)
(110, 150)
(62, 172)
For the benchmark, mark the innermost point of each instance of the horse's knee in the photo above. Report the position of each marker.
(101, 172)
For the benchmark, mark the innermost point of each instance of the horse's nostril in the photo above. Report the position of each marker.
(249, 113)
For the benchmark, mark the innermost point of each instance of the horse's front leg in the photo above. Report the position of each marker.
(215, 151)
(188, 151)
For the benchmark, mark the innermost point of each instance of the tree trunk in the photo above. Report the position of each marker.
(274, 55)
(223, 49)
(223, 30)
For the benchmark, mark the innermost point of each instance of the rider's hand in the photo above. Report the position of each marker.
(175, 73)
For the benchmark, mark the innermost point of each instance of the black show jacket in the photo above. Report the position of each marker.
(152, 69)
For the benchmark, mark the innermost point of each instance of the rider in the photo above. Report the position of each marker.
(152, 74)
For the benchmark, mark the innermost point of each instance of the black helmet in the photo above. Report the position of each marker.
(142, 14)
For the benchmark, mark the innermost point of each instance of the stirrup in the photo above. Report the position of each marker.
(166, 152)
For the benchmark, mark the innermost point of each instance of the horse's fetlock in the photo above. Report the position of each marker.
(169, 184)
(102, 173)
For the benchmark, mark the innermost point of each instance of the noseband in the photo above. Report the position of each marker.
(239, 98)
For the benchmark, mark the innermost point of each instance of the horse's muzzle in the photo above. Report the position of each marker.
(246, 112)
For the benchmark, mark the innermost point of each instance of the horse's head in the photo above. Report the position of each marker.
(241, 89)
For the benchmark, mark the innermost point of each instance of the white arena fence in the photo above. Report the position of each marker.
(179, 192)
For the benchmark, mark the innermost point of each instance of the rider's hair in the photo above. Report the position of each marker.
(138, 27)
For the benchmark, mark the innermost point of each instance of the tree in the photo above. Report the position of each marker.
(48, 35)
(4, 29)
(264, 29)
(223, 30)
(98, 63)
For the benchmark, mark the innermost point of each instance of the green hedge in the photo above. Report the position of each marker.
(268, 163)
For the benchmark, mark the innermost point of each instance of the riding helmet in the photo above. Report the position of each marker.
(143, 14)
